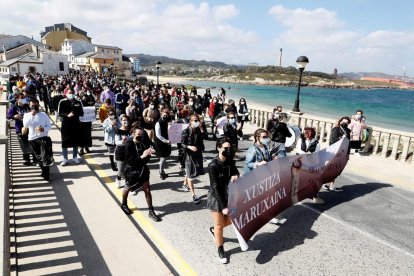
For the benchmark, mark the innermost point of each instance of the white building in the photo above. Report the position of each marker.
(39, 60)
(11, 42)
(136, 64)
(72, 48)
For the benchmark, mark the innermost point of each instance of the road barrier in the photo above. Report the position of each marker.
(385, 143)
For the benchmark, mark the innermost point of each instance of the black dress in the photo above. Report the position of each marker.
(133, 151)
(220, 174)
(85, 139)
(193, 160)
(70, 125)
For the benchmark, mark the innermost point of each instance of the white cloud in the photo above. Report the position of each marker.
(173, 28)
(225, 12)
(327, 42)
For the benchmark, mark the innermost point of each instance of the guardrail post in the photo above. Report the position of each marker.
(395, 145)
(377, 136)
(385, 145)
(323, 131)
(266, 119)
(406, 145)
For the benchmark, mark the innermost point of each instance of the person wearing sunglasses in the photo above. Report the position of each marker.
(259, 155)
(221, 171)
(193, 145)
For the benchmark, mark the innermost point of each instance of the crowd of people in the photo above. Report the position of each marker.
(135, 118)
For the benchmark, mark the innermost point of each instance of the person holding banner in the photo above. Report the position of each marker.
(258, 155)
(339, 131)
(193, 145)
(278, 131)
(221, 171)
(308, 144)
(162, 144)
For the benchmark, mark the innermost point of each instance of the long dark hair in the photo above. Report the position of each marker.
(340, 120)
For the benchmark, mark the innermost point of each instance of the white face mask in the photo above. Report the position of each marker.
(232, 121)
(196, 124)
(151, 106)
(70, 96)
(358, 116)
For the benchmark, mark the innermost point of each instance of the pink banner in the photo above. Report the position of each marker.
(256, 198)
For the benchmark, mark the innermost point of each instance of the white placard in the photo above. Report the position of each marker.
(174, 132)
(220, 124)
(89, 114)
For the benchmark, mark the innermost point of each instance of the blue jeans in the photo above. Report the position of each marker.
(74, 152)
(281, 154)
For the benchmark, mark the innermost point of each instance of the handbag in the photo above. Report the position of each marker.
(25, 131)
(132, 175)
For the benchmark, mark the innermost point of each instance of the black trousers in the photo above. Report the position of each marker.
(42, 149)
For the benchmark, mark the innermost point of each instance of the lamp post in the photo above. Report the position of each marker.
(158, 65)
(302, 61)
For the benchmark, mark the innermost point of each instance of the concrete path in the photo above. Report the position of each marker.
(73, 225)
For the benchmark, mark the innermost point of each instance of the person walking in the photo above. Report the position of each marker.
(221, 171)
(193, 145)
(39, 125)
(278, 131)
(16, 112)
(109, 128)
(70, 110)
(150, 116)
(340, 130)
(162, 144)
(230, 130)
(242, 116)
(121, 139)
(308, 144)
(104, 110)
(138, 152)
(85, 139)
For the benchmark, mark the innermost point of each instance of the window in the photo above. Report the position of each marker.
(61, 66)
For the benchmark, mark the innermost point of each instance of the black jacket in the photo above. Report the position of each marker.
(230, 132)
(337, 133)
(278, 131)
(191, 137)
(220, 174)
(133, 152)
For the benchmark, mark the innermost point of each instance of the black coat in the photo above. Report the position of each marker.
(70, 125)
(337, 133)
(230, 132)
(220, 174)
(278, 131)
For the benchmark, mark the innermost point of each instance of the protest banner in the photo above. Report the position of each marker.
(256, 198)
(89, 114)
(220, 124)
(174, 132)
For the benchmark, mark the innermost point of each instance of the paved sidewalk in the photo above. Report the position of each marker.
(73, 225)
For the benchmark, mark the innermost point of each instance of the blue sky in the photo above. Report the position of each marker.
(353, 35)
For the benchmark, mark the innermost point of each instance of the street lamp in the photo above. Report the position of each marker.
(302, 61)
(158, 65)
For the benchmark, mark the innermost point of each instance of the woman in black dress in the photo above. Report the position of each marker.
(221, 171)
(138, 152)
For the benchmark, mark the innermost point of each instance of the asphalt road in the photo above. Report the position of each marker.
(367, 229)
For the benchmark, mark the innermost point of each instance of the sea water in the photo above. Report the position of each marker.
(387, 108)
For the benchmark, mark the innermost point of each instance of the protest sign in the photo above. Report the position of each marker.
(89, 114)
(174, 132)
(220, 124)
(257, 197)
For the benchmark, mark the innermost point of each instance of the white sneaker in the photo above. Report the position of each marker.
(118, 183)
(64, 162)
(318, 200)
(277, 221)
(76, 160)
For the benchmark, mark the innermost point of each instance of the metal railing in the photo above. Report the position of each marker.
(385, 143)
(4, 186)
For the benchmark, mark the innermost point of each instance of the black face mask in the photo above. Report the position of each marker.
(228, 153)
(166, 118)
(34, 107)
(344, 125)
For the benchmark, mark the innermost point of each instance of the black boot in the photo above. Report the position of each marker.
(113, 164)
